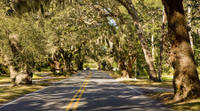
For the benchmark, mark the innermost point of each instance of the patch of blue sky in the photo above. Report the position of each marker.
(112, 21)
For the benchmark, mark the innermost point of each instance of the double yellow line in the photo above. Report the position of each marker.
(80, 92)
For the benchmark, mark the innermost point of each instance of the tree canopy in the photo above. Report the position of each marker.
(129, 36)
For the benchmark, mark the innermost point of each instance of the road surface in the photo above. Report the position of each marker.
(86, 91)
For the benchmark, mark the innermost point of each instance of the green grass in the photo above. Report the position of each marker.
(35, 76)
(187, 105)
(90, 65)
(53, 80)
(192, 105)
(4, 79)
(144, 81)
(9, 93)
(148, 83)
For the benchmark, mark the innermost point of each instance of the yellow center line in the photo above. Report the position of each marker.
(81, 90)
(81, 94)
(74, 97)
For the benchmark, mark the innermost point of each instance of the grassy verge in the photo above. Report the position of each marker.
(8, 93)
(4, 79)
(144, 81)
(148, 83)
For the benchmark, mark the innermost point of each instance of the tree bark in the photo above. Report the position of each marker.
(186, 81)
(130, 69)
(130, 65)
(29, 73)
(64, 66)
(152, 47)
(80, 65)
(147, 53)
(121, 65)
(57, 66)
(135, 66)
(190, 24)
(122, 68)
(161, 46)
(17, 77)
(13, 74)
(99, 66)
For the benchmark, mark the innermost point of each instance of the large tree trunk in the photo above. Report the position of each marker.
(130, 69)
(17, 77)
(99, 66)
(29, 72)
(161, 46)
(55, 66)
(130, 65)
(64, 66)
(67, 61)
(80, 65)
(147, 53)
(25, 76)
(186, 81)
(121, 65)
(122, 69)
(135, 66)
(13, 73)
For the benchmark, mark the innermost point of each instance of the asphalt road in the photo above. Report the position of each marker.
(86, 91)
